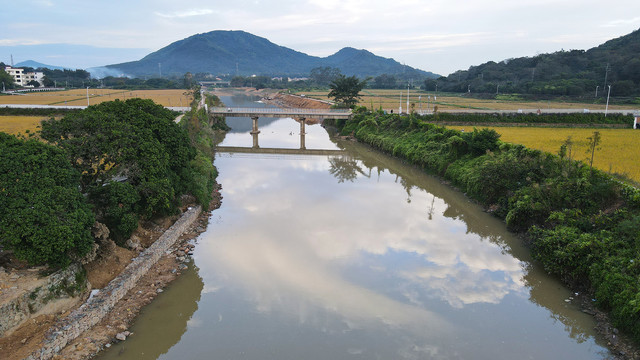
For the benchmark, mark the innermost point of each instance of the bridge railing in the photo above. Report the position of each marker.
(292, 111)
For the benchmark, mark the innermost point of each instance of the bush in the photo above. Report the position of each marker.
(584, 225)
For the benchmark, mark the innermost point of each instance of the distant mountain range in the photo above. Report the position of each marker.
(615, 63)
(36, 65)
(241, 53)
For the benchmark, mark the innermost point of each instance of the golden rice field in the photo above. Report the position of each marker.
(392, 99)
(20, 124)
(78, 97)
(619, 150)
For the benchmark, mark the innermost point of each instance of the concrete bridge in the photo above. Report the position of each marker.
(279, 151)
(320, 114)
(300, 114)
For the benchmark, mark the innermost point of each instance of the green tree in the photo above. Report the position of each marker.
(323, 76)
(346, 90)
(385, 81)
(594, 142)
(133, 141)
(44, 219)
(6, 79)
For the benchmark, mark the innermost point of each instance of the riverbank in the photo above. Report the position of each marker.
(115, 270)
(573, 216)
(32, 335)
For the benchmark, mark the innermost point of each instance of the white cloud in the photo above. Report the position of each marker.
(622, 22)
(187, 13)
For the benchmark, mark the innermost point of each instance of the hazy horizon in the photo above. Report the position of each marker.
(437, 36)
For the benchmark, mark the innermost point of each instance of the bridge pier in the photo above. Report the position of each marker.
(302, 133)
(255, 139)
(255, 125)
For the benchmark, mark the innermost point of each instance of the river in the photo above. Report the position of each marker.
(353, 256)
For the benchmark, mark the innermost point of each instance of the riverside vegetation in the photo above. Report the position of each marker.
(117, 162)
(582, 224)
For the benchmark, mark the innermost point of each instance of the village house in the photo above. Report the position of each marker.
(21, 78)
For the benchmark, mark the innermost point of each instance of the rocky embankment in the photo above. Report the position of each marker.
(36, 335)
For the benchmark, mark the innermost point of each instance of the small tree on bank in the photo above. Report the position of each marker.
(345, 91)
(594, 142)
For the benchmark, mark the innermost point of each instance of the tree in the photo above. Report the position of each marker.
(594, 141)
(44, 219)
(34, 83)
(133, 141)
(6, 79)
(323, 76)
(385, 81)
(346, 90)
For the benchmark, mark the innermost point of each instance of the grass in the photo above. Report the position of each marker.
(391, 100)
(619, 151)
(78, 97)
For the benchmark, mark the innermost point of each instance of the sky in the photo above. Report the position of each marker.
(441, 36)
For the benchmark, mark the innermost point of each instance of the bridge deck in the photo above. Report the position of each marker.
(278, 151)
(277, 112)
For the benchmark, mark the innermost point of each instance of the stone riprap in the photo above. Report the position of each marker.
(97, 307)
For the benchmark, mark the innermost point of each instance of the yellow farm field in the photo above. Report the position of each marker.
(393, 99)
(619, 151)
(78, 97)
(20, 124)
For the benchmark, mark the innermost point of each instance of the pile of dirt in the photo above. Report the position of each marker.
(296, 101)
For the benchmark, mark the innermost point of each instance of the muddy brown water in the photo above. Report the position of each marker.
(357, 256)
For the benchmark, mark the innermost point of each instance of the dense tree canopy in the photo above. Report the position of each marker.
(346, 90)
(574, 72)
(130, 146)
(44, 219)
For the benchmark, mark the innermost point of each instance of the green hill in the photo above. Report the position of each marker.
(574, 72)
(241, 53)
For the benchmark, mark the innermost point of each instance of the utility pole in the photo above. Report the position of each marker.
(400, 107)
(87, 96)
(407, 98)
(597, 90)
(607, 107)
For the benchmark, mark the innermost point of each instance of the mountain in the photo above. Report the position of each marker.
(37, 65)
(238, 52)
(574, 72)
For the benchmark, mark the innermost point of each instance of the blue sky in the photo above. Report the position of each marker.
(440, 35)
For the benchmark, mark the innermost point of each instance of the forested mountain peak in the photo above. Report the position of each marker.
(572, 72)
(242, 53)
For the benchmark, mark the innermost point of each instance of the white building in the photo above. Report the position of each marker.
(21, 78)
(16, 73)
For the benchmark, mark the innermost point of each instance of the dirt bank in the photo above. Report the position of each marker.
(295, 101)
(28, 337)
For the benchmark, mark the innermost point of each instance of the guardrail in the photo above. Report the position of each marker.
(292, 111)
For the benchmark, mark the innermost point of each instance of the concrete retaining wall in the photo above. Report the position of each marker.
(95, 309)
